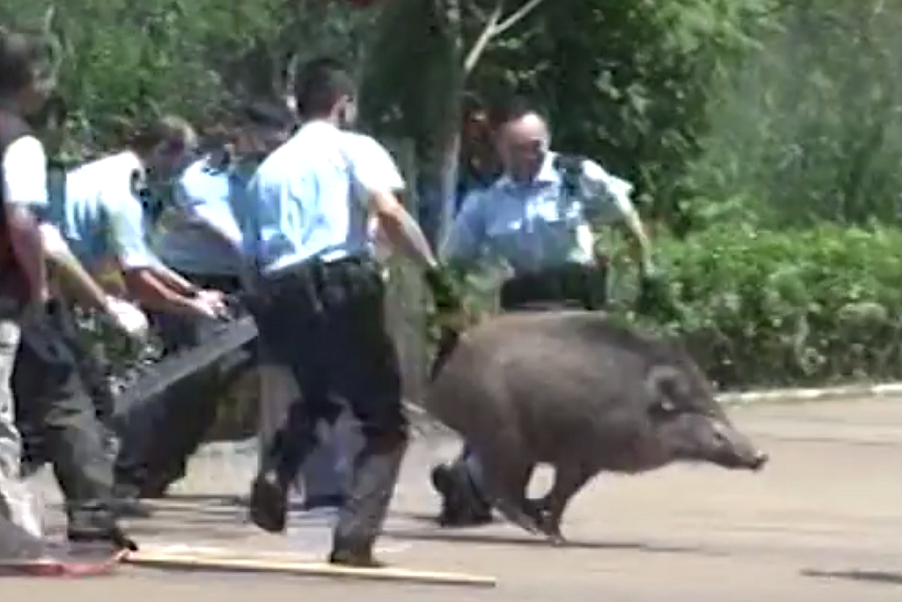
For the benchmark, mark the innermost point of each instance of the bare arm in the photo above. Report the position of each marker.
(174, 280)
(64, 264)
(149, 290)
(400, 228)
(611, 197)
(640, 244)
(145, 277)
(377, 176)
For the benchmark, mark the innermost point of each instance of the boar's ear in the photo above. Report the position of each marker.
(666, 389)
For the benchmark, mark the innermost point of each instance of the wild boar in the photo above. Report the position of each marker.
(576, 391)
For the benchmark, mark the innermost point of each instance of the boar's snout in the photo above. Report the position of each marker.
(732, 449)
(759, 459)
(702, 438)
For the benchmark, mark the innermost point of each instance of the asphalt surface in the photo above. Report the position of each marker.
(823, 522)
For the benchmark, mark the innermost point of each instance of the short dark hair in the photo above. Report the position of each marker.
(267, 114)
(511, 109)
(472, 103)
(170, 130)
(19, 58)
(53, 113)
(319, 84)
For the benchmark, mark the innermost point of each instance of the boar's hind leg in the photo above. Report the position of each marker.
(506, 477)
(568, 480)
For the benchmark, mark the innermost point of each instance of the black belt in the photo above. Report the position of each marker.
(573, 284)
(313, 265)
(307, 279)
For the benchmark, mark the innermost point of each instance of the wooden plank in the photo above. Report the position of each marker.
(275, 562)
(293, 554)
(224, 505)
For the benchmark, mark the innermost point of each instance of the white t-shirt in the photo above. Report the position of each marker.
(25, 173)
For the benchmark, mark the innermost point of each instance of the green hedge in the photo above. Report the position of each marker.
(795, 307)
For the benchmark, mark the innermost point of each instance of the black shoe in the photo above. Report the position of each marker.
(442, 480)
(156, 487)
(269, 503)
(461, 505)
(127, 506)
(357, 558)
(315, 502)
(110, 534)
(461, 516)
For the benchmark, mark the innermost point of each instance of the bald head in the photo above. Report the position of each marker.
(530, 126)
(523, 141)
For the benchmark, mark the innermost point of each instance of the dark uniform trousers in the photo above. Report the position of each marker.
(50, 393)
(158, 437)
(570, 286)
(326, 323)
(94, 378)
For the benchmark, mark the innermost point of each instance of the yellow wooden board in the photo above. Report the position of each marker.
(224, 559)
(224, 505)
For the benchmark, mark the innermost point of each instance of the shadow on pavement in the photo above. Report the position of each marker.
(491, 539)
(884, 577)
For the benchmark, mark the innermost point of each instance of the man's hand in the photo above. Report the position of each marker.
(212, 304)
(127, 318)
(214, 298)
(451, 313)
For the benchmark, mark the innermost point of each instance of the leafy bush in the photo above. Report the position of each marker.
(769, 308)
(808, 123)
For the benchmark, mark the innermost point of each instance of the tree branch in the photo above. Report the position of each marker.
(494, 27)
(485, 36)
(517, 16)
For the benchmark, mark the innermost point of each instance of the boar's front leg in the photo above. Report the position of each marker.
(506, 475)
(549, 510)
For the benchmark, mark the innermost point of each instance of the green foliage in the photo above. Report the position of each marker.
(791, 307)
(125, 60)
(809, 123)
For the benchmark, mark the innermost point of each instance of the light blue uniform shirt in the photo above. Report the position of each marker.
(100, 214)
(536, 225)
(306, 200)
(205, 237)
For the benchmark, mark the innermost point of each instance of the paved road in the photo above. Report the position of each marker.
(823, 523)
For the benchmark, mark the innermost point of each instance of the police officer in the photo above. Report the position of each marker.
(106, 211)
(202, 244)
(324, 477)
(535, 219)
(320, 307)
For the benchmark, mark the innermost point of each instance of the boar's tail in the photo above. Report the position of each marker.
(447, 343)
